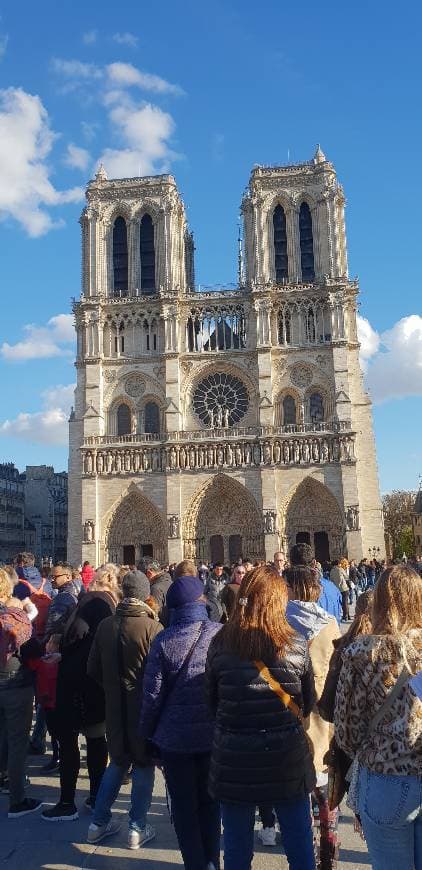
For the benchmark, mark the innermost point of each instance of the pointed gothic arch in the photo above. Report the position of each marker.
(312, 514)
(223, 515)
(134, 522)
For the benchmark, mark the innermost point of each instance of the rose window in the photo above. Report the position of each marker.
(220, 400)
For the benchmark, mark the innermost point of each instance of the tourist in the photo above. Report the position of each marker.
(106, 578)
(26, 570)
(279, 562)
(216, 581)
(61, 605)
(338, 576)
(230, 592)
(160, 584)
(260, 752)
(378, 719)
(87, 574)
(320, 630)
(116, 663)
(176, 718)
(16, 698)
(80, 705)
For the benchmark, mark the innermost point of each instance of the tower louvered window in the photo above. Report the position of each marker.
(120, 268)
(281, 266)
(147, 251)
(306, 243)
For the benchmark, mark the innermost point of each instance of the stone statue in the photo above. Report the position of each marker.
(173, 458)
(248, 454)
(219, 417)
(88, 463)
(201, 457)
(136, 461)
(146, 462)
(335, 450)
(133, 425)
(238, 454)
(286, 456)
(211, 416)
(305, 452)
(296, 452)
(173, 526)
(127, 461)
(88, 531)
(324, 451)
(220, 455)
(267, 453)
(352, 518)
(315, 451)
(269, 522)
(182, 457)
(110, 462)
(192, 457)
(257, 454)
(100, 463)
(210, 456)
(117, 463)
(229, 455)
(277, 452)
(226, 418)
(155, 460)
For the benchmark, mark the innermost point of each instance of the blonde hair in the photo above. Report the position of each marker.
(344, 563)
(187, 567)
(397, 605)
(122, 571)
(105, 579)
(12, 573)
(6, 586)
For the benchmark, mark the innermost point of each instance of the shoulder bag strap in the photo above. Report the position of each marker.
(285, 698)
(187, 659)
(123, 698)
(388, 701)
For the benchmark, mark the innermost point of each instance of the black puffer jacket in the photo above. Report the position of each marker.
(159, 589)
(260, 753)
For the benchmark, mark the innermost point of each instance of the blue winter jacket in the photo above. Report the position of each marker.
(175, 714)
(330, 598)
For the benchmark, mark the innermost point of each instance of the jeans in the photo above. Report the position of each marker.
(141, 796)
(15, 722)
(196, 815)
(266, 815)
(345, 605)
(390, 809)
(295, 822)
(40, 730)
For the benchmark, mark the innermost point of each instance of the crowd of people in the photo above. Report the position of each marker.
(240, 683)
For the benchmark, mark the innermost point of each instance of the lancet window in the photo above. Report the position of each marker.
(216, 329)
(120, 257)
(281, 267)
(308, 321)
(289, 411)
(316, 408)
(306, 243)
(152, 417)
(123, 419)
(147, 254)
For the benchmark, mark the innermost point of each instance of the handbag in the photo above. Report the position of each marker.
(276, 687)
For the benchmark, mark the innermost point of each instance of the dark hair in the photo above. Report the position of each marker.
(25, 559)
(86, 563)
(66, 565)
(304, 583)
(301, 554)
(362, 621)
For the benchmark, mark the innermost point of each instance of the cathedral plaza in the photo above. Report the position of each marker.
(228, 422)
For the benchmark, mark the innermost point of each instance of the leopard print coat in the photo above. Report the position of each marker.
(371, 665)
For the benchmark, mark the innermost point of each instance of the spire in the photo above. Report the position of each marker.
(240, 265)
(101, 174)
(319, 156)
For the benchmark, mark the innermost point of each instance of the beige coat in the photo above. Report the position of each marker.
(320, 732)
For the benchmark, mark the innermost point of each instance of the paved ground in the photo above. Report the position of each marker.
(30, 844)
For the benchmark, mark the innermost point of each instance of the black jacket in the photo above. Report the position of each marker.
(159, 589)
(260, 752)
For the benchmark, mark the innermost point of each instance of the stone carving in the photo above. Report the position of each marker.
(134, 386)
(300, 376)
(133, 425)
(109, 376)
(174, 526)
(352, 518)
(89, 531)
(270, 522)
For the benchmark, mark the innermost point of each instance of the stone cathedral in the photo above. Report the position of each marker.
(222, 423)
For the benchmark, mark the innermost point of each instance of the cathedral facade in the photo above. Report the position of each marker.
(230, 422)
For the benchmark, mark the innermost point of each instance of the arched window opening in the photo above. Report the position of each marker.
(284, 326)
(289, 411)
(123, 419)
(147, 252)
(310, 326)
(153, 334)
(281, 266)
(306, 243)
(316, 408)
(152, 417)
(120, 261)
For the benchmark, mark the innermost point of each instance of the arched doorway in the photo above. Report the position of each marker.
(222, 523)
(135, 529)
(313, 516)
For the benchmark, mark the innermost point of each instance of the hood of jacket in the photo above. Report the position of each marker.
(195, 612)
(307, 618)
(134, 607)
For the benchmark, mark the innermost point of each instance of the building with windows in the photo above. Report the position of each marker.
(417, 523)
(226, 422)
(46, 500)
(12, 512)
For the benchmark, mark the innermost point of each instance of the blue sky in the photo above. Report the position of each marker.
(208, 90)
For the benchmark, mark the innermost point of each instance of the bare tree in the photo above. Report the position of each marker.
(398, 508)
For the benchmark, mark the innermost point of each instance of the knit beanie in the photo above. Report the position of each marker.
(136, 585)
(301, 554)
(184, 590)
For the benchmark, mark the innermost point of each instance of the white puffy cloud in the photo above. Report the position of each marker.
(76, 69)
(76, 157)
(127, 75)
(26, 140)
(48, 426)
(392, 360)
(144, 132)
(127, 38)
(42, 342)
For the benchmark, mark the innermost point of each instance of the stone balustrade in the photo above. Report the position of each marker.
(302, 449)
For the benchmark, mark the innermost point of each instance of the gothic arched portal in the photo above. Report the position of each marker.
(312, 515)
(223, 519)
(135, 529)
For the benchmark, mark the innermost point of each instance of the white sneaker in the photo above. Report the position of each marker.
(99, 832)
(139, 836)
(267, 836)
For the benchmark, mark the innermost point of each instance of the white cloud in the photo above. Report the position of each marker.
(76, 157)
(4, 41)
(76, 69)
(127, 75)
(90, 37)
(89, 130)
(26, 140)
(144, 133)
(42, 342)
(48, 426)
(127, 38)
(392, 360)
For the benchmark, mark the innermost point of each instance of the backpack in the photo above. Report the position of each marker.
(42, 602)
(15, 630)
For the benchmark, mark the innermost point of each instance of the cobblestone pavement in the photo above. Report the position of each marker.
(30, 844)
